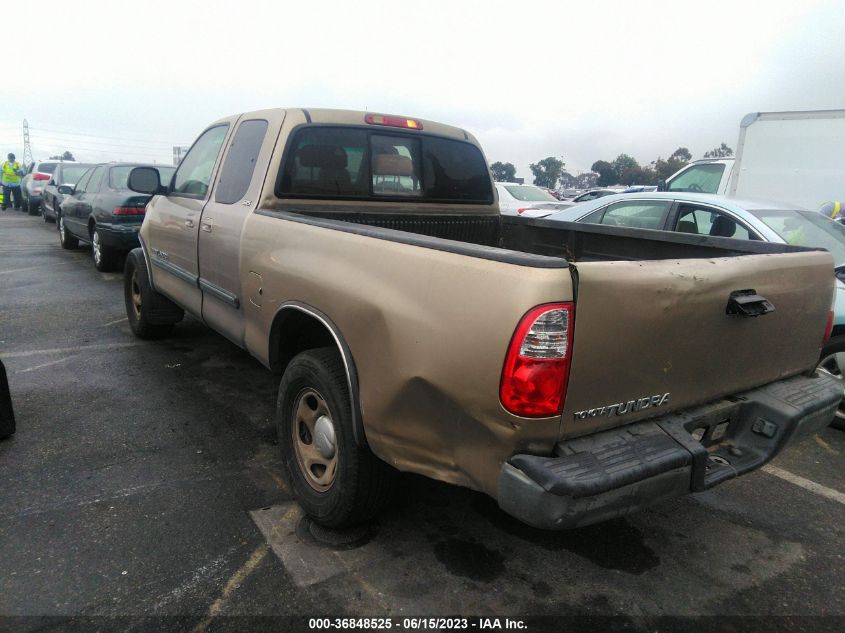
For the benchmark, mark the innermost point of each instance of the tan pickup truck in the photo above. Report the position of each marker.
(572, 372)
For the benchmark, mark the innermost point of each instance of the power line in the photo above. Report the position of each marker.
(113, 138)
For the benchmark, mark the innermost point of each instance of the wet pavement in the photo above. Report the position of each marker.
(144, 480)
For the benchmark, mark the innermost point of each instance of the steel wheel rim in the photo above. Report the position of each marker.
(833, 365)
(136, 295)
(318, 468)
(95, 246)
(62, 229)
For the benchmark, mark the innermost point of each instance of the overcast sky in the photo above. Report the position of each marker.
(578, 80)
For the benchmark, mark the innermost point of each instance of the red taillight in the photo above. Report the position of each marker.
(828, 329)
(393, 121)
(40, 176)
(537, 363)
(128, 211)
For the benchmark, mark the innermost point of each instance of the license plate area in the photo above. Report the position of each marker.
(714, 425)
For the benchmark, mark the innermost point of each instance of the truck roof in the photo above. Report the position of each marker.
(357, 117)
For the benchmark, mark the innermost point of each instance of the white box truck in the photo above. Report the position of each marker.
(793, 157)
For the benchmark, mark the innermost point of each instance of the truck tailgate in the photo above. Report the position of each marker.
(654, 336)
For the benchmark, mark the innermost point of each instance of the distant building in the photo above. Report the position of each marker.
(178, 154)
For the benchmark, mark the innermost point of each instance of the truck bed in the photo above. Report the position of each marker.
(570, 241)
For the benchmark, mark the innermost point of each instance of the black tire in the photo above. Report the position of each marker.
(150, 314)
(32, 207)
(44, 213)
(66, 238)
(106, 258)
(828, 364)
(362, 484)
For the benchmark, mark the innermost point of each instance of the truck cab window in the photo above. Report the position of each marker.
(703, 178)
(194, 173)
(239, 165)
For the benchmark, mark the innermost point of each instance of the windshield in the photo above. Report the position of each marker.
(698, 178)
(119, 176)
(807, 228)
(529, 193)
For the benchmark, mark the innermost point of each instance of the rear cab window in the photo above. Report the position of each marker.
(346, 162)
(46, 168)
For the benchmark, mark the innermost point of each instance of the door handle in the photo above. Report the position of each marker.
(207, 225)
(747, 303)
(189, 224)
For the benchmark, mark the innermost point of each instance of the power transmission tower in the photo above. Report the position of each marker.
(27, 148)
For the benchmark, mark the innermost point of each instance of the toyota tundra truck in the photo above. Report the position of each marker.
(572, 372)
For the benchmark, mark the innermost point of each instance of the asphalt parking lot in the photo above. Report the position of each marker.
(144, 481)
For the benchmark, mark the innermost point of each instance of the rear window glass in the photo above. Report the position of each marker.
(343, 162)
(46, 168)
(529, 193)
(240, 161)
(72, 173)
(119, 176)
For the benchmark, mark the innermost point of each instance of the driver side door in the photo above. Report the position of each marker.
(172, 220)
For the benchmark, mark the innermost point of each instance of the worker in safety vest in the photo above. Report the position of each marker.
(11, 178)
(833, 210)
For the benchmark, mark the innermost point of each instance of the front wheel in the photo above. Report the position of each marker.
(32, 207)
(44, 215)
(150, 314)
(68, 241)
(338, 483)
(833, 363)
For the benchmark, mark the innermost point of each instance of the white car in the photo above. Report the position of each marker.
(527, 201)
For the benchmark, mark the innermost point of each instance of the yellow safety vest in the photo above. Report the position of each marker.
(10, 172)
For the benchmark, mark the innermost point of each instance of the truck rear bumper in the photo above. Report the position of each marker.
(609, 474)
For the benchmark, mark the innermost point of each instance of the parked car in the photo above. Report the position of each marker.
(593, 194)
(101, 210)
(64, 174)
(720, 216)
(37, 176)
(362, 257)
(528, 201)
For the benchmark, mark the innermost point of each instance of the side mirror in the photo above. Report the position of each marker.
(661, 185)
(145, 180)
(67, 190)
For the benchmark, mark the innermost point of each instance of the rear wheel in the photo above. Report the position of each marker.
(67, 240)
(833, 363)
(32, 207)
(105, 257)
(150, 314)
(338, 483)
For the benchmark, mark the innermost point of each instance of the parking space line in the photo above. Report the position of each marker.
(115, 322)
(806, 484)
(233, 583)
(52, 362)
(20, 270)
(104, 347)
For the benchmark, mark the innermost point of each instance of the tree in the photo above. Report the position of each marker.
(567, 180)
(503, 172)
(547, 172)
(66, 156)
(606, 175)
(586, 180)
(665, 168)
(723, 151)
(681, 154)
(627, 170)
